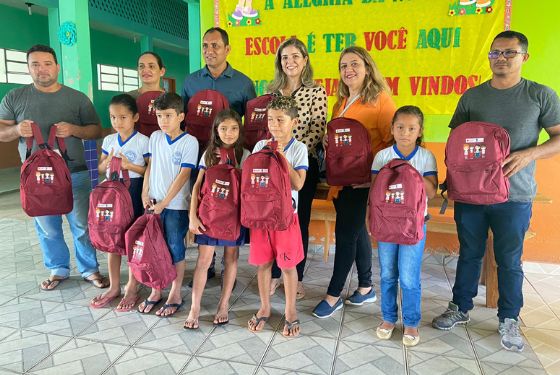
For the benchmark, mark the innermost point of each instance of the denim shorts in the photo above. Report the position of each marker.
(175, 226)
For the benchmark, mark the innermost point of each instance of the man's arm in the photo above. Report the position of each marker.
(90, 131)
(9, 131)
(518, 160)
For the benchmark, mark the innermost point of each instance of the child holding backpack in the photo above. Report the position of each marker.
(398, 262)
(173, 154)
(226, 137)
(132, 148)
(284, 246)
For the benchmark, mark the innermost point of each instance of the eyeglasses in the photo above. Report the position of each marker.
(508, 54)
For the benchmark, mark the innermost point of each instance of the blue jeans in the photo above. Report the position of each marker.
(401, 264)
(175, 227)
(509, 221)
(56, 255)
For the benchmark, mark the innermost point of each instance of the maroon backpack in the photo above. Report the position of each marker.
(110, 211)
(474, 154)
(201, 111)
(147, 121)
(256, 120)
(397, 204)
(266, 192)
(149, 258)
(349, 154)
(45, 181)
(220, 197)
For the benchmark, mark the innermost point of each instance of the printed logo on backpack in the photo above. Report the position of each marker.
(45, 180)
(219, 197)
(110, 211)
(348, 152)
(392, 218)
(256, 120)
(474, 154)
(147, 120)
(200, 112)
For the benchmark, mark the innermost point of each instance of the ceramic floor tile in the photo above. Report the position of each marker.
(304, 353)
(361, 328)
(360, 358)
(210, 366)
(267, 370)
(500, 368)
(237, 344)
(542, 317)
(120, 328)
(433, 364)
(168, 335)
(144, 361)
(23, 349)
(546, 345)
(80, 357)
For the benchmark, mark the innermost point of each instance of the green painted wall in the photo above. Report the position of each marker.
(16, 36)
(106, 49)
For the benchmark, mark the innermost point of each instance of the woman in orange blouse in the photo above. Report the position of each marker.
(362, 95)
(293, 76)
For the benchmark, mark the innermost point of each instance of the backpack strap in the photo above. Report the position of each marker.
(37, 137)
(445, 203)
(227, 156)
(115, 170)
(60, 141)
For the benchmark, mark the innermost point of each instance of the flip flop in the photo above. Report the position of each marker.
(133, 304)
(289, 326)
(165, 306)
(98, 282)
(194, 326)
(256, 321)
(147, 303)
(218, 323)
(49, 282)
(101, 302)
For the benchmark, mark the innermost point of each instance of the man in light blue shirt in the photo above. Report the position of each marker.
(218, 74)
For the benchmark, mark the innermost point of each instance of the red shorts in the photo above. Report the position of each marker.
(285, 246)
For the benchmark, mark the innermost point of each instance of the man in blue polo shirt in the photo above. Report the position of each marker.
(218, 74)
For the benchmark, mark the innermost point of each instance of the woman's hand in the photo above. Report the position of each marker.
(195, 225)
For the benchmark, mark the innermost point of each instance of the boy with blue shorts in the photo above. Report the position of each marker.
(173, 154)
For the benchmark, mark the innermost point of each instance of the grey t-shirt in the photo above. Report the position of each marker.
(46, 109)
(523, 110)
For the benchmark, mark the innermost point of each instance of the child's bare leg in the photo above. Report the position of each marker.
(130, 293)
(174, 297)
(205, 254)
(114, 265)
(263, 277)
(231, 254)
(290, 288)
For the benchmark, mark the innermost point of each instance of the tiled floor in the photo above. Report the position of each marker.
(58, 333)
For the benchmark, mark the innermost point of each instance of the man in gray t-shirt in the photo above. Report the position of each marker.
(48, 103)
(524, 108)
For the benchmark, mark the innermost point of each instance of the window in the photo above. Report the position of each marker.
(114, 78)
(13, 67)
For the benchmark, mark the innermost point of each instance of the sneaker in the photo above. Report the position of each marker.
(238, 13)
(450, 318)
(358, 299)
(324, 310)
(511, 337)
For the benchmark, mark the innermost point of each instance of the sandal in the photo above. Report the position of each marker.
(128, 302)
(101, 301)
(255, 321)
(166, 306)
(191, 324)
(147, 303)
(51, 284)
(289, 326)
(98, 280)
